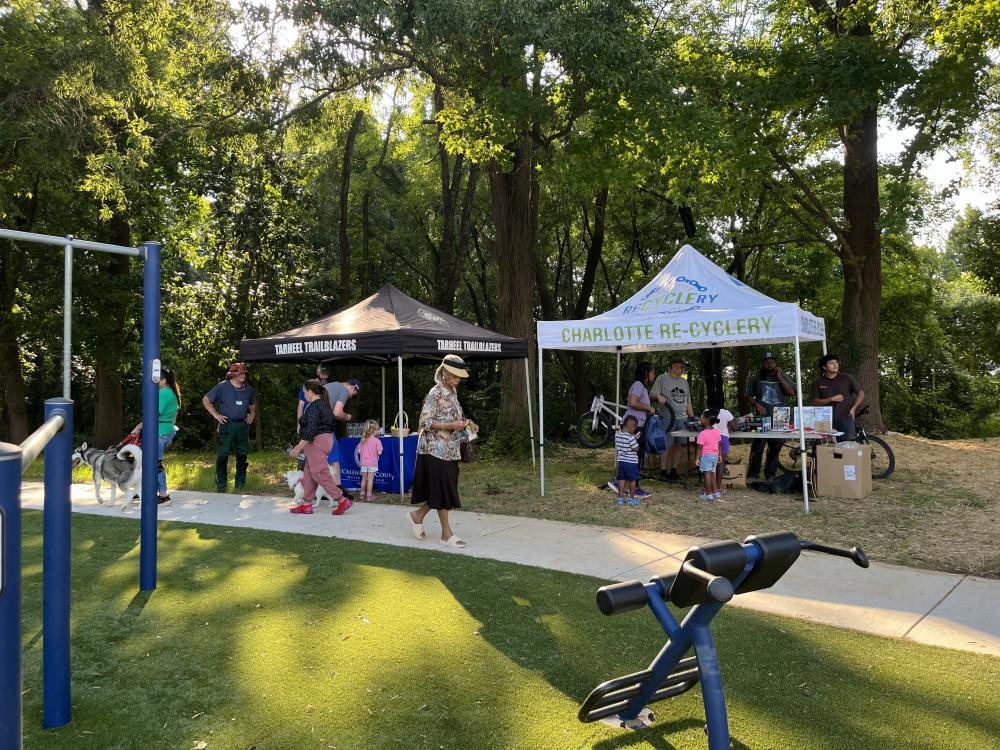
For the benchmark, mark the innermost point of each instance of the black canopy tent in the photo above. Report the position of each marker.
(389, 325)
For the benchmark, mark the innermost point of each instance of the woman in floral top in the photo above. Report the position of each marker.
(443, 428)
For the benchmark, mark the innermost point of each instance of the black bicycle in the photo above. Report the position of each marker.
(883, 459)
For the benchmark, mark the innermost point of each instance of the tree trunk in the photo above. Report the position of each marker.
(514, 210)
(15, 411)
(345, 189)
(110, 347)
(456, 219)
(861, 260)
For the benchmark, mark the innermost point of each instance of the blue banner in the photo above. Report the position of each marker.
(387, 476)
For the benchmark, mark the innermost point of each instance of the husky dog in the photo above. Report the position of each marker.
(294, 479)
(122, 470)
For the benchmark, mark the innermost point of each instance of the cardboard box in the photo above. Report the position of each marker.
(842, 472)
(734, 476)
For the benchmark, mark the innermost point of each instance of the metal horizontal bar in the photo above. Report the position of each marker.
(35, 443)
(48, 239)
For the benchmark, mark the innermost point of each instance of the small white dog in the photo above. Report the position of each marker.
(122, 470)
(294, 479)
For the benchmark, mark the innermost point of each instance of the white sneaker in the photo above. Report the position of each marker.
(716, 495)
(703, 496)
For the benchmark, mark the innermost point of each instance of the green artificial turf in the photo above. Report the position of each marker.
(267, 640)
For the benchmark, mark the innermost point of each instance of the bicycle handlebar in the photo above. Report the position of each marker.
(854, 553)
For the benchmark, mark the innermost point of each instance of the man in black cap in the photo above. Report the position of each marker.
(673, 392)
(767, 390)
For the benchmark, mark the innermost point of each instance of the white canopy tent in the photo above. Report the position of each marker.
(690, 304)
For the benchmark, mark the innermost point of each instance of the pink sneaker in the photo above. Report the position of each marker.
(342, 507)
(369, 497)
(305, 508)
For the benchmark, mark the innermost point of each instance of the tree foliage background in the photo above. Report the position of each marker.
(507, 161)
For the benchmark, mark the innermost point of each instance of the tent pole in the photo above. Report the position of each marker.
(618, 382)
(802, 429)
(541, 424)
(402, 438)
(531, 429)
(383, 397)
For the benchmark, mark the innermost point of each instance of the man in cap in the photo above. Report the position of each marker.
(672, 390)
(232, 404)
(340, 394)
(766, 390)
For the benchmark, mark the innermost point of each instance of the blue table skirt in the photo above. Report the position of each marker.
(387, 476)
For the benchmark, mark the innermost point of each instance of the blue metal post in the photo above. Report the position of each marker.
(56, 552)
(711, 688)
(150, 413)
(10, 596)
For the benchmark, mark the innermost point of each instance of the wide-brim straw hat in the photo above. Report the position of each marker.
(455, 365)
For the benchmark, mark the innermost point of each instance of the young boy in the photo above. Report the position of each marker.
(627, 447)
(709, 442)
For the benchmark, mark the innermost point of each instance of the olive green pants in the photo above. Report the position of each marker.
(234, 437)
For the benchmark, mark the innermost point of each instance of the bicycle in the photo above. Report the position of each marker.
(883, 459)
(596, 427)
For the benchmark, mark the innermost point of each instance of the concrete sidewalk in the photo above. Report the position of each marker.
(940, 609)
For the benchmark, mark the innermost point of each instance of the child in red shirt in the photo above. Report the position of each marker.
(709, 441)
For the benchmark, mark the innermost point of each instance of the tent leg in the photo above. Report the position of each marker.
(618, 382)
(531, 429)
(541, 425)
(402, 438)
(618, 400)
(383, 397)
(802, 431)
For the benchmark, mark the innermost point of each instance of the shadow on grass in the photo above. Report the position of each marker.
(262, 638)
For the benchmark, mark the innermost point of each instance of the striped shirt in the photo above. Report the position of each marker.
(626, 445)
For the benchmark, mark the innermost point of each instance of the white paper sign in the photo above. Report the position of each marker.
(850, 473)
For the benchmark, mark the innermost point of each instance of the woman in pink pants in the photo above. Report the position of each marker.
(316, 440)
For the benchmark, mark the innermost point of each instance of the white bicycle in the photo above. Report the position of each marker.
(596, 428)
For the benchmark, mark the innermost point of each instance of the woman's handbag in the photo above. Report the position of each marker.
(465, 451)
(400, 430)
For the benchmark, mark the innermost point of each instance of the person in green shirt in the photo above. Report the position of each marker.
(170, 402)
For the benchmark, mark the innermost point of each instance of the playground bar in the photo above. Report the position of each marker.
(46, 239)
(56, 549)
(150, 413)
(10, 596)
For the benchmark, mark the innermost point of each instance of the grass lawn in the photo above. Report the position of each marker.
(270, 641)
(940, 509)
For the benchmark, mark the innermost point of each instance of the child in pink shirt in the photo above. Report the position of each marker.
(709, 440)
(371, 449)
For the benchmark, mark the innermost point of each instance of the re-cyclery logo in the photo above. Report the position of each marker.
(666, 294)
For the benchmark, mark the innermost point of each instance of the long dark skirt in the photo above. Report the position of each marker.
(435, 482)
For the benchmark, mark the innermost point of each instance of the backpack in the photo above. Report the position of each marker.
(784, 484)
(654, 435)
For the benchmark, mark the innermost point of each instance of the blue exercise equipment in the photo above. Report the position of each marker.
(710, 576)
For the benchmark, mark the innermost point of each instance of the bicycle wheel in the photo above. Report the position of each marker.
(590, 436)
(790, 457)
(883, 459)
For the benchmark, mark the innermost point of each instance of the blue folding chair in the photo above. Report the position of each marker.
(709, 577)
